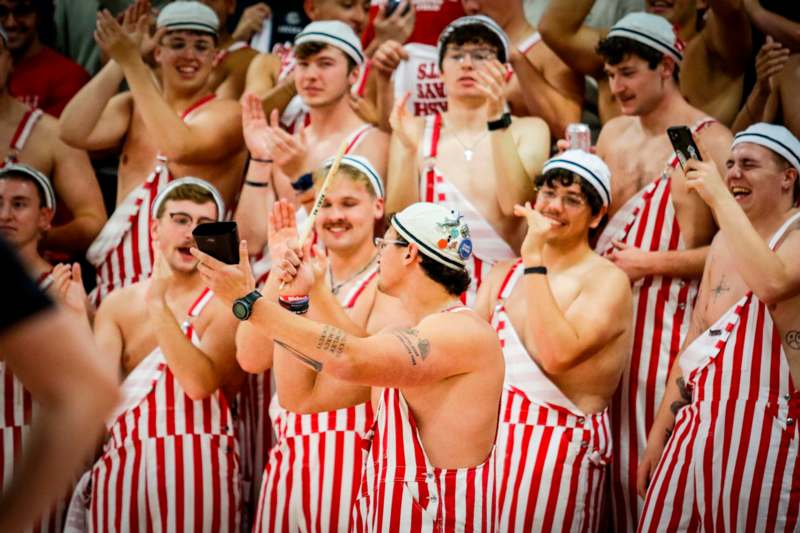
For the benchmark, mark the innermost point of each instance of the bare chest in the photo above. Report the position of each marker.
(36, 152)
(635, 161)
(708, 87)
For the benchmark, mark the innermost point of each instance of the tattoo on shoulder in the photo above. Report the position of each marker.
(417, 348)
(332, 340)
(793, 339)
(310, 361)
(685, 399)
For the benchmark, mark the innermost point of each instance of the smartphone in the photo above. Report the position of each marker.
(220, 240)
(391, 5)
(684, 145)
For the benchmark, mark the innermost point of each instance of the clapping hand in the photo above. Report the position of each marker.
(538, 226)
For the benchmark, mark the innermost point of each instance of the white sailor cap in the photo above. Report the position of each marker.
(777, 138)
(4, 36)
(189, 180)
(439, 232)
(335, 33)
(474, 20)
(188, 15)
(42, 180)
(362, 165)
(586, 165)
(649, 30)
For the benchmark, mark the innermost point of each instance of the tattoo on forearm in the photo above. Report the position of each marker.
(332, 340)
(793, 339)
(417, 348)
(310, 361)
(720, 288)
(685, 399)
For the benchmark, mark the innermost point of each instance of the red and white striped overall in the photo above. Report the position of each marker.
(402, 492)
(731, 463)
(662, 309)
(488, 246)
(169, 463)
(551, 456)
(123, 252)
(315, 467)
(21, 134)
(17, 410)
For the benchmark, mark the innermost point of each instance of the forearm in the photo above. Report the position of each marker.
(402, 188)
(762, 270)
(675, 397)
(780, 28)
(752, 111)
(280, 96)
(514, 186)
(255, 203)
(687, 264)
(254, 348)
(83, 111)
(76, 235)
(543, 100)
(193, 369)
(561, 27)
(384, 100)
(327, 309)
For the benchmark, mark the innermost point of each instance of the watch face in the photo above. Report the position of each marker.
(240, 310)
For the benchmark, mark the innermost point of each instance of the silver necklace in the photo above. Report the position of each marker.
(336, 287)
(469, 151)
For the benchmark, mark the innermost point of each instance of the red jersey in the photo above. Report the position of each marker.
(47, 80)
(432, 17)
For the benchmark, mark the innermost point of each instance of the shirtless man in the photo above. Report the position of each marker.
(474, 157)
(657, 230)
(731, 394)
(713, 70)
(27, 205)
(174, 127)
(31, 137)
(233, 58)
(346, 294)
(431, 462)
(170, 450)
(565, 333)
(542, 85)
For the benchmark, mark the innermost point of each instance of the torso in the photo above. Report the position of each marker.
(139, 157)
(37, 151)
(590, 384)
(636, 158)
(726, 287)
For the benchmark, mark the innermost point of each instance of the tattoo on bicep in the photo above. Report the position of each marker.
(685, 399)
(332, 340)
(310, 361)
(417, 348)
(793, 339)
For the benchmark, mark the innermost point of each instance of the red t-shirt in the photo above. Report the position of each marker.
(47, 80)
(432, 17)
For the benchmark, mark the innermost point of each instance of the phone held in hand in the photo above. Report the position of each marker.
(391, 5)
(220, 240)
(683, 144)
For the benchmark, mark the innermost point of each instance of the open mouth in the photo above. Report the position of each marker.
(660, 6)
(740, 192)
(338, 229)
(184, 252)
(187, 71)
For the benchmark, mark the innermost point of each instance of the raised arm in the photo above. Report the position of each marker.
(402, 181)
(384, 63)
(770, 60)
(727, 23)
(563, 30)
(784, 30)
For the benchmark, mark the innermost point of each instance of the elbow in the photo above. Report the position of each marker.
(549, 29)
(556, 364)
(72, 138)
(774, 293)
(345, 368)
(251, 364)
(200, 387)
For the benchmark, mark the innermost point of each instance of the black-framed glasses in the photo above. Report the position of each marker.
(381, 243)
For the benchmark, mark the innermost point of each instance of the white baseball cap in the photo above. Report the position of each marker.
(335, 33)
(586, 165)
(440, 233)
(188, 15)
(362, 165)
(649, 30)
(42, 180)
(189, 180)
(474, 20)
(777, 138)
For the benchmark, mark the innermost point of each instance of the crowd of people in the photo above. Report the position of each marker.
(451, 310)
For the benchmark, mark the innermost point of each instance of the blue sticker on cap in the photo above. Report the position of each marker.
(465, 249)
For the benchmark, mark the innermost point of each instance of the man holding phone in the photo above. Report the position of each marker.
(474, 158)
(658, 229)
(724, 451)
(171, 451)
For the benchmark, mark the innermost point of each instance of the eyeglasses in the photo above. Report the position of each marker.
(568, 200)
(19, 10)
(479, 55)
(381, 243)
(184, 220)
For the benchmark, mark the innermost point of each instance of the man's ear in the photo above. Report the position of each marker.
(412, 253)
(669, 65)
(353, 76)
(153, 229)
(790, 177)
(598, 218)
(45, 218)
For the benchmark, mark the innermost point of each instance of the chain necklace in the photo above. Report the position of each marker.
(469, 151)
(336, 287)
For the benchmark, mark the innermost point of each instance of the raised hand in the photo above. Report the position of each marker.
(289, 151)
(257, 135)
(282, 235)
(770, 61)
(538, 226)
(492, 81)
(229, 282)
(632, 260)
(251, 21)
(704, 178)
(121, 42)
(159, 279)
(67, 288)
(402, 123)
(396, 27)
(388, 56)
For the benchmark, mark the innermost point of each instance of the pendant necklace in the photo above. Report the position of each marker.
(336, 287)
(469, 151)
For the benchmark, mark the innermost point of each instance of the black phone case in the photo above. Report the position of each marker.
(683, 144)
(220, 240)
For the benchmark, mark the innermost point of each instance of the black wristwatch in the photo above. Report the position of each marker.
(501, 123)
(243, 307)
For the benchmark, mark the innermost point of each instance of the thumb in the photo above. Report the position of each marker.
(76, 273)
(244, 258)
(273, 118)
(301, 131)
(770, 40)
(619, 245)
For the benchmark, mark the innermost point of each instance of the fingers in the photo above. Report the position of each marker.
(274, 120)
(244, 256)
(206, 260)
(522, 211)
(76, 273)
(619, 245)
(642, 477)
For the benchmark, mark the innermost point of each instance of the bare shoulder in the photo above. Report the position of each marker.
(219, 107)
(266, 64)
(377, 137)
(460, 332)
(607, 278)
(529, 126)
(124, 302)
